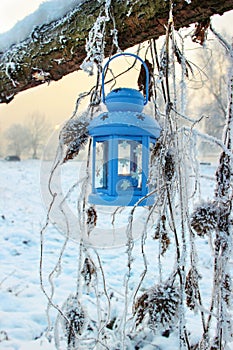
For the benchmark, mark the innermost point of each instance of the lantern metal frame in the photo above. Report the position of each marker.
(124, 122)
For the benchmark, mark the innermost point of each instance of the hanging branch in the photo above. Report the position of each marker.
(75, 136)
(159, 68)
(223, 243)
(53, 50)
(218, 219)
(163, 303)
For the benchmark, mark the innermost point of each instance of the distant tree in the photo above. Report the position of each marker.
(38, 130)
(17, 136)
(216, 64)
(211, 84)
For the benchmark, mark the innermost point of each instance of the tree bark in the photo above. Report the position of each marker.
(56, 49)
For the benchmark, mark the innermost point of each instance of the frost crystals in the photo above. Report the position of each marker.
(95, 44)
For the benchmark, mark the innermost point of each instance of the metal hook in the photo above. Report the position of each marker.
(138, 58)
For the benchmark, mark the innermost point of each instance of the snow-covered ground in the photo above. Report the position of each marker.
(23, 320)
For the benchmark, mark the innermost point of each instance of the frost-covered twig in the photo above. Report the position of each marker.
(191, 120)
(208, 138)
(96, 41)
(49, 298)
(105, 293)
(225, 44)
(145, 261)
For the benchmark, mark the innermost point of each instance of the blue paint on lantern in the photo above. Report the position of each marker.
(122, 139)
(124, 99)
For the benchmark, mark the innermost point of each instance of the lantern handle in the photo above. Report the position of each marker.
(138, 58)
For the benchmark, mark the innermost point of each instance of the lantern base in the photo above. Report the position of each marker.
(120, 201)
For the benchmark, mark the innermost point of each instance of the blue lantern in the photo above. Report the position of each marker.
(122, 139)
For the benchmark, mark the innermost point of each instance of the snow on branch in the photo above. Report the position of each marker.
(60, 47)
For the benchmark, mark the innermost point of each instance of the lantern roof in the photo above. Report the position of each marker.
(125, 99)
(124, 123)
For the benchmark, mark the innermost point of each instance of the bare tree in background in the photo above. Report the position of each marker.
(38, 130)
(210, 82)
(17, 136)
(216, 63)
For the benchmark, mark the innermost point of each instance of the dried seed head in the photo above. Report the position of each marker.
(162, 234)
(161, 227)
(89, 271)
(205, 219)
(75, 320)
(91, 219)
(142, 79)
(227, 289)
(165, 242)
(160, 305)
(191, 288)
(75, 136)
(169, 166)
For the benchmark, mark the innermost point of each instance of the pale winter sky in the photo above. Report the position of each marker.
(11, 11)
(56, 101)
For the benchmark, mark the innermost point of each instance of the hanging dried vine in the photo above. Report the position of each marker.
(161, 305)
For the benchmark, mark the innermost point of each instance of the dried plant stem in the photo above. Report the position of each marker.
(105, 293)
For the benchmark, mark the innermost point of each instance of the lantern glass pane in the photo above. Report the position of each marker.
(130, 162)
(123, 158)
(136, 171)
(101, 164)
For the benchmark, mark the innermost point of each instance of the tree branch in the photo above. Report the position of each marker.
(56, 49)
